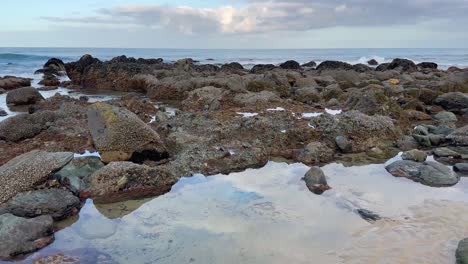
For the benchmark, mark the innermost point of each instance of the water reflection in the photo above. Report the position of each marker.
(268, 216)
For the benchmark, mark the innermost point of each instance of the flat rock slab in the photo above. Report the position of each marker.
(24, 96)
(119, 135)
(119, 181)
(461, 168)
(24, 172)
(21, 235)
(428, 173)
(58, 203)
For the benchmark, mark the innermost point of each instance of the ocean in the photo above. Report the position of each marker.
(24, 61)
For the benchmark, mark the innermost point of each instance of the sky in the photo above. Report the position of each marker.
(243, 24)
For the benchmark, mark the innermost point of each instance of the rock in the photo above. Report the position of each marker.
(76, 70)
(308, 95)
(316, 181)
(233, 66)
(446, 152)
(3, 112)
(445, 117)
(383, 67)
(207, 68)
(334, 65)
(414, 155)
(403, 65)
(125, 180)
(245, 99)
(262, 68)
(362, 68)
(50, 80)
(310, 64)
(58, 203)
(459, 137)
(75, 174)
(28, 170)
(461, 168)
(315, 153)
(407, 143)
(462, 252)
(206, 98)
(24, 126)
(120, 135)
(362, 130)
(422, 140)
(373, 62)
(53, 66)
(290, 65)
(421, 130)
(11, 82)
(428, 173)
(367, 215)
(21, 236)
(427, 65)
(455, 101)
(23, 96)
(343, 144)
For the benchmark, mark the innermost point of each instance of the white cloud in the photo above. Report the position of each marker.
(259, 16)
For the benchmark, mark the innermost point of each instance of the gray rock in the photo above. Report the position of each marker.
(23, 96)
(424, 141)
(459, 137)
(453, 101)
(428, 173)
(58, 203)
(316, 153)
(256, 98)
(369, 216)
(119, 135)
(407, 143)
(343, 144)
(446, 152)
(3, 112)
(316, 181)
(123, 180)
(74, 175)
(414, 155)
(445, 117)
(20, 235)
(462, 252)
(421, 130)
(461, 168)
(28, 170)
(24, 126)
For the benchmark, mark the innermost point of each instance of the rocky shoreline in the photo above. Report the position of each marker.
(228, 119)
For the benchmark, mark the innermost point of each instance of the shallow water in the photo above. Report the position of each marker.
(267, 215)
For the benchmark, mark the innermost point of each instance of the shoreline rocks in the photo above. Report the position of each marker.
(316, 181)
(428, 173)
(23, 96)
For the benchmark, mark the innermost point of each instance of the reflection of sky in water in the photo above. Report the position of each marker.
(264, 216)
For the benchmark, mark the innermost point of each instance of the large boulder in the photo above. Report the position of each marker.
(24, 126)
(334, 65)
(462, 252)
(455, 101)
(75, 174)
(362, 131)
(119, 135)
(125, 180)
(373, 62)
(206, 98)
(403, 65)
(53, 66)
(262, 68)
(58, 203)
(428, 65)
(316, 181)
(28, 170)
(459, 137)
(24, 96)
(428, 173)
(76, 70)
(246, 99)
(290, 65)
(233, 66)
(315, 153)
(12, 82)
(21, 236)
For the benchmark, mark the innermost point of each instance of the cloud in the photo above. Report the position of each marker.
(262, 16)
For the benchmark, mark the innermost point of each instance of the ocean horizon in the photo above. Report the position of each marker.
(24, 61)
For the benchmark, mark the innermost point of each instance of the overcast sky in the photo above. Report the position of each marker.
(234, 23)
